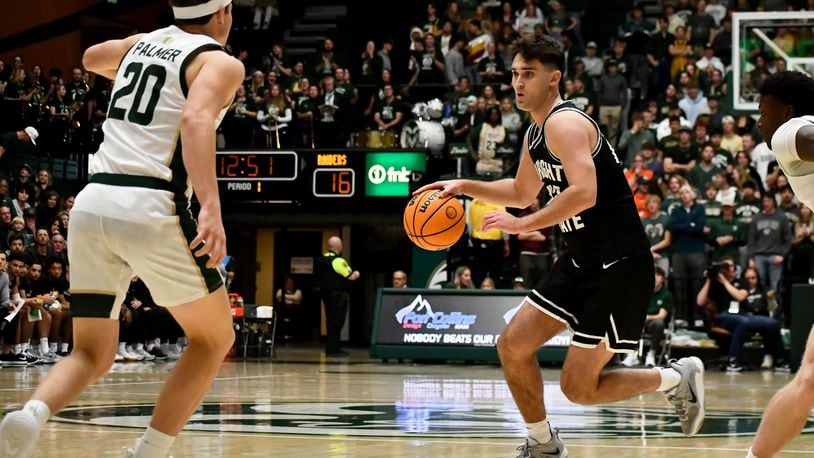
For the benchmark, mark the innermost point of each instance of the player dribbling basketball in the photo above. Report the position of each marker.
(601, 288)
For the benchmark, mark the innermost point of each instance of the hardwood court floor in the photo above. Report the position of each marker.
(303, 405)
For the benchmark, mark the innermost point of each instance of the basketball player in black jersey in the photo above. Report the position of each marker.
(601, 287)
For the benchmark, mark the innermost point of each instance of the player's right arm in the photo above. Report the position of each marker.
(517, 192)
(805, 143)
(214, 78)
(794, 140)
(104, 58)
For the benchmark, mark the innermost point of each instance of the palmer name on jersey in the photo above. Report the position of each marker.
(155, 51)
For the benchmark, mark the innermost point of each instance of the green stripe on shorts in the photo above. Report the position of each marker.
(211, 277)
(92, 305)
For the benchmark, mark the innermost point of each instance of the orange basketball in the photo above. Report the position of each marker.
(433, 222)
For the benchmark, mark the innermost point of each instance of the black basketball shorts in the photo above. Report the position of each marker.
(600, 301)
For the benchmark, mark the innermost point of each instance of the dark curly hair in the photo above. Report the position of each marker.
(792, 88)
(545, 49)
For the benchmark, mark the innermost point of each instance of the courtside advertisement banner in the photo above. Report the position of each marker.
(447, 318)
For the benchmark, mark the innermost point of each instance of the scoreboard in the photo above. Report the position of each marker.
(317, 178)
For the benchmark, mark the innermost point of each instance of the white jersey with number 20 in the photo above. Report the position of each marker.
(143, 125)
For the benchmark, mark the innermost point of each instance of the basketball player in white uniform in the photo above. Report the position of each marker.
(133, 218)
(787, 123)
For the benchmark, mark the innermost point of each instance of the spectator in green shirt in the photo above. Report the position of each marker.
(658, 315)
(655, 226)
(703, 172)
(727, 234)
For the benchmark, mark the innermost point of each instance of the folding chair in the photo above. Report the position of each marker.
(663, 354)
(262, 335)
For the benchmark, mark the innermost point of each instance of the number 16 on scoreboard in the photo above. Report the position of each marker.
(339, 182)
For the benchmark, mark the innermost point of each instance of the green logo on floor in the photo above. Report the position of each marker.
(421, 419)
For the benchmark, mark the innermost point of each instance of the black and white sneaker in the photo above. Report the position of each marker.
(781, 365)
(12, 360)
(159, 355)
(31, 357)
(734, 366)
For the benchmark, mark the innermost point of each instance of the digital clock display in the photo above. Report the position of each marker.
(338, 182)
(256, 166)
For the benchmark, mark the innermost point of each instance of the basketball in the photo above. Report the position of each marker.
(433, 222)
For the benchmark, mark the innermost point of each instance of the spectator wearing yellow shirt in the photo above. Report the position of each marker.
(489, 247)
(731, 141)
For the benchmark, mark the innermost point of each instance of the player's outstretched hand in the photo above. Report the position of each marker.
(447, 187)
(211, 238)
(502, 221)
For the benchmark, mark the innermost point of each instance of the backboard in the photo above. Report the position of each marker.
(786, 39)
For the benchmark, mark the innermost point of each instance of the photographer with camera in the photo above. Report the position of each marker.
(726, 300)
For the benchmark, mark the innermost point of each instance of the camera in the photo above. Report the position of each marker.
(715, 268)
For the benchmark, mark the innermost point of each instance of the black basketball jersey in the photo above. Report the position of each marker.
(609, 230)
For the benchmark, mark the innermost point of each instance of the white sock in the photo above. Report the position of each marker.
(63, 347)
(39, 409)
(52, 347)
(26, 346)
(18, 348)
(139, 346)
(150, 345)
(121, 347)
(749, 454)
(44, 345)
(154, 444)
(670, 378)
(539, 432)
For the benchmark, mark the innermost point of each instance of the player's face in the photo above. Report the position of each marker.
(532, 82)
(55, 270)
(17, 268)
(35, 272)
(773, 113)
